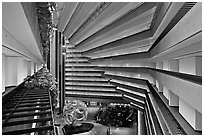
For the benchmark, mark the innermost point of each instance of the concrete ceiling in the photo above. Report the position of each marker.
(80, 21)
(14, 21)
(121, 29)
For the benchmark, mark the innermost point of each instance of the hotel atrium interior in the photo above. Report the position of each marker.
(102, 68)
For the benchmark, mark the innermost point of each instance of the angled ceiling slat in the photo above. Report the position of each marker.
(65, 14)
(15, 28)
(133, 26)
(80, 15)
(112, 39)
(124, 19)
(175, 7)
(133, 38)
(112, 12)
(137, 44)
(86, 12)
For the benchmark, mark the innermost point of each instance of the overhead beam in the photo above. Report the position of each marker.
(66, 13)
(171, 23)
(188, 77)
(73, 16)
(133, 38)
(182, 11)
(141, 55)
(133, 14)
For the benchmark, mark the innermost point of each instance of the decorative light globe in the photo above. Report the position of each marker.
(75, 112)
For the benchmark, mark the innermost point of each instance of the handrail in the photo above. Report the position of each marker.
(52, 114)
(156, 93)
(188, 77)
(152, 91)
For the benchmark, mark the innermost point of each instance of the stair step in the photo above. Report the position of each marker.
(27, 130)
(26, 109)
(89, 84)
(80, 66)
(93, 94)
(26, 114)
(76, 62)
(86, 79)
(30, 98)
(73, 55)
(134, 100)
(89, 91)
(76, 59)
(31, 101)
(27, 105)
(37, 93)
(129, 83)
(87, 74)
(26, 121)
(82, 69)
(34, 95)
(137, 106)
(141, 90)
(132, 92)
(88, 88)
(74, 51)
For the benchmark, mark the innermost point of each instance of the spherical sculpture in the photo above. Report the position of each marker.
(75, 112)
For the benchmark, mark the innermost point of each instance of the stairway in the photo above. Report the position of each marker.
(26, 112)
(82, 80)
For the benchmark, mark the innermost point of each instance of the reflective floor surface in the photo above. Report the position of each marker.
(99, 129)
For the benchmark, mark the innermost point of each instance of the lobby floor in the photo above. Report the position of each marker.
(99, 129)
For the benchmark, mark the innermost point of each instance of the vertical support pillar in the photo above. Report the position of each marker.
(191, 65)
(15, 71)
(3, 72)
(191, 115)
(56, 56)
(48, 59)
(159, 65)
(35, 70)
(63, 80)
(32, 68)
(198, 120)
(153, 79)
(29, 68)
(173, 65)
(22, 69)
(141, 123)
(198, 65)
(165, 65)
(166, 92)
(53, 54)
(63, 52)
(60, 71)
(173, 99)
(159, 86)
